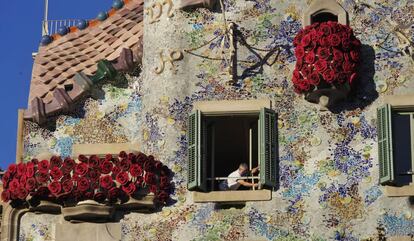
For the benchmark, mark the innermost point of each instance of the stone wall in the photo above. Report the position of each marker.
(328, 160)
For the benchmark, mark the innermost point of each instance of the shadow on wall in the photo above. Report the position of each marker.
(364, 90)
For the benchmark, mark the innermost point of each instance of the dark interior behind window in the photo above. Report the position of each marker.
(401, 144)
(228, 144)
(324, 17)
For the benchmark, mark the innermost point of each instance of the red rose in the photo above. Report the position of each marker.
(135, 170)
(83, 158)
(93, 161)
(122, 155)
(23, 180)
(158, 165)
(21, 169)
(129, 188)
(324, 42)
(81, 169)
(14, 185)
(356, 43)
(305, 71)
(153, 188)
(55, 161)
(6, 179)
(108, 157)
(88, 195)
(337, 55)
(328, 75)
(34, 161)
(56, 173)
(149, 178)
(42, 177)
(55, 187)
(106, 167)
(12, 168)
(348, 66)
(122, 178)
(299, 52)
(325, 29)
(106, 182)
(67, 185)
(304, 85)
(346, 43)
(115, 171)
(22, 193)
(43, 166)
(68, 165)
(99, 197)
(148, 165)
(94, 174)
(30, 184)
(5, 196)
(323, 53)
(132, 157)
(321, 65)
(334, 40)
(314, 78)
(125, 164)
(30, 169)
(310, 57)
(306, 40)
(354, 55)
(113, 194)
(83, 184)
(141, 158)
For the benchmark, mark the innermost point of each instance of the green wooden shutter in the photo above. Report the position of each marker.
(196, 178)
(385, 155)
(268, 149)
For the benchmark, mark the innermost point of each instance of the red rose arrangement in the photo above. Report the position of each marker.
(326, 53)
(105, 180)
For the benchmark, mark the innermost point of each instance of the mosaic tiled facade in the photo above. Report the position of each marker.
(328, 160)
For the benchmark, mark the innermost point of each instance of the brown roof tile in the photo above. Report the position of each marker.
(56, 64)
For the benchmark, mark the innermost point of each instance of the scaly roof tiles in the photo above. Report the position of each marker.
(56, 82)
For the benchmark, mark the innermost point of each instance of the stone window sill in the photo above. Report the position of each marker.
(232, 196)
(404, 191)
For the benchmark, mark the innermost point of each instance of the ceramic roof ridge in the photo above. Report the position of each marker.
(91, 23)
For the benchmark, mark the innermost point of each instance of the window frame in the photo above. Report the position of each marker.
(401, 103)
(233, 107)
(325, 6)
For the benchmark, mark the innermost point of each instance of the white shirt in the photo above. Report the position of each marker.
(232, 182)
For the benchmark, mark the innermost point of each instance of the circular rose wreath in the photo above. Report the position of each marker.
(327, 53)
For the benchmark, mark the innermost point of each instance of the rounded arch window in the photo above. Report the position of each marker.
(323, 11)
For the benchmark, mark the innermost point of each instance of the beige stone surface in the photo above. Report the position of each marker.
(233, 196)
(88, 231)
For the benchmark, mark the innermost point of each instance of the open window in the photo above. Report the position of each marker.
(395, 129)
(324, 11)
(222, 138)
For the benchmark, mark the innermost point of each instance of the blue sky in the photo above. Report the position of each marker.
(20, 33)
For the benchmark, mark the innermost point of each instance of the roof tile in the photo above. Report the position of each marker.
(79, 51)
